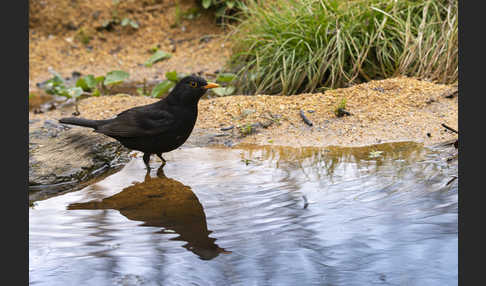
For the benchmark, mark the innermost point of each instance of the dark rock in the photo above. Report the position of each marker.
(61, 157)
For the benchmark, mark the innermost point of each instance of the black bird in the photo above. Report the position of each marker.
(155, 128)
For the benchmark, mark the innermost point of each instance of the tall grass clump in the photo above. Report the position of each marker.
(294, 46)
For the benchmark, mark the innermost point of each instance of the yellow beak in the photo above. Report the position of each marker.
(211, 85)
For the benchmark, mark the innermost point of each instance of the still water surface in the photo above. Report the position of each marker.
(377, 215)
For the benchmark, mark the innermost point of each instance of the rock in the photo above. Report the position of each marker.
(62, 157)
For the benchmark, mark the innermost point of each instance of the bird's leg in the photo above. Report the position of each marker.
(161, 158)
(160, 172)
(146, 160)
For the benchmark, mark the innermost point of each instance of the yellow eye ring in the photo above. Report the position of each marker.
(193, 84)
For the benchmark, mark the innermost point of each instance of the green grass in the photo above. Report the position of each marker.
(289, 46)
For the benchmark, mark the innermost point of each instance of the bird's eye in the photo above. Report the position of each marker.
(193, 84)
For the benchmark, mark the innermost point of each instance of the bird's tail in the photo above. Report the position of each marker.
(82, 122)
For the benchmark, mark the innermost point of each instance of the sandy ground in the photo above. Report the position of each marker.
(55, 41)
(396, 109)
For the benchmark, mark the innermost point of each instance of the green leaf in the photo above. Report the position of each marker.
(225, 77)
(61, 90)
(54, 84)
(162, 88)
(115, 77)
(90, 81)
(172, 75)
(128, 21)
(223, 91)
(206, 4)
(82, 84)
(140, 91)
(96, 92)
(87, 83)
(99, 79)
(134, 24)
(157, 56)
(75, 92)
(125, 21)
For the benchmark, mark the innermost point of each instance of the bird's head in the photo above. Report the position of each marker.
(190, 89)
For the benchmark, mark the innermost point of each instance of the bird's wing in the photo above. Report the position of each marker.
(137, 122)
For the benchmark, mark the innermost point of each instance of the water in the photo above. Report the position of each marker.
(384, 215)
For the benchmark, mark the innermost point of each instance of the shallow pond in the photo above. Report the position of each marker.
(253, 215)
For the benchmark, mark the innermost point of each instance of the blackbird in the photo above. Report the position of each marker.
(155, 128)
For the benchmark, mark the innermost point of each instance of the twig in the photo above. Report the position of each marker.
(451, 180)
(227, 128)
(450, 128)
(306, 120)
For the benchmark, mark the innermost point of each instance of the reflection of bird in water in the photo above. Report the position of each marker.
(166, 203)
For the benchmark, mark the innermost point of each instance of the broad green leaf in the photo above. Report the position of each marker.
(99, 79)
(82, 84)
(52, 84)
(162, 88)
(125, 21)
(90, 81)
(157, 56)
(128, 21)
(61, 90)
(96, 92)
(87, 83)
(225, 77)
(223, 91)
(75, 92)
(116, 77)
(58, 89)
(206, 4)
(134, 24)
(172, 75)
